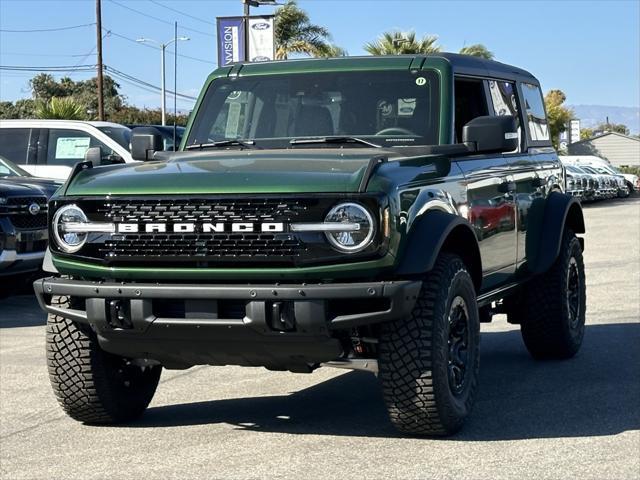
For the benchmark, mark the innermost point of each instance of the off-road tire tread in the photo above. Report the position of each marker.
(543, 317)
(406, 358)
(79, 374)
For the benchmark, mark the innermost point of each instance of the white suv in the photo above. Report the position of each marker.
(50, 148)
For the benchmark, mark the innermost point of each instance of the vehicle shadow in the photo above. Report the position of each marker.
(21, 310)
(596, 393)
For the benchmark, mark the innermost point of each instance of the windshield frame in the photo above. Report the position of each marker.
(206, 113)
(12, 167)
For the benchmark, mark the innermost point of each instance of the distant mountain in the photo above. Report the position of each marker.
(593, 115)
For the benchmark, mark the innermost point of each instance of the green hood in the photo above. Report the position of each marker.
(237, 171)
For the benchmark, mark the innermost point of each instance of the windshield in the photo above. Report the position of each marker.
(10, 169)
(386, 107)
(122, 135)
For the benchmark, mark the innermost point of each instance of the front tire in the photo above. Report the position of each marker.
(428, 363)
(91, 385)
(553, 320)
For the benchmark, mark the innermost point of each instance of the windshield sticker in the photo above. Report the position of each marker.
(420, 81)
(72, 147)
(233, 120)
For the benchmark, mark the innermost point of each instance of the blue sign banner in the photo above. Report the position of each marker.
(231, 40)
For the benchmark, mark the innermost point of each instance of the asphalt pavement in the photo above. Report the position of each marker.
(572, 419)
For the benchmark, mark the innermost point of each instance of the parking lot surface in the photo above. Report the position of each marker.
(572, 419)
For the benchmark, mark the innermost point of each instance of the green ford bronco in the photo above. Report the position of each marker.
(362, 213)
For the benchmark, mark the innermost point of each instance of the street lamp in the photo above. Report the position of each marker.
(163, 47)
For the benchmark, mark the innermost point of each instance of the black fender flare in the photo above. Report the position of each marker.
(434, 231)
(547, 222)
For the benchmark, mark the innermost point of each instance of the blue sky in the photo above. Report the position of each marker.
(589, 49)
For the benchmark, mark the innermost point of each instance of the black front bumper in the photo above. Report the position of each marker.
(200, 335)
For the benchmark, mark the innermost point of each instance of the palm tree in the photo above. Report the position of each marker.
(398, 43)
(296, 34)
(477, 50)
(60, 108)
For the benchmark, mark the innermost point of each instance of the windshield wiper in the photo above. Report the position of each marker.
(341, 139)
(223, 143)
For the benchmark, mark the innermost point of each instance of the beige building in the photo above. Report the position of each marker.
(620, 150)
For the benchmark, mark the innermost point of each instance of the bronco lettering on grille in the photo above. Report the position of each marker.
(238, 227)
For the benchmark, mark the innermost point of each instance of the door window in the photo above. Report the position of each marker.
(504, 99)
(67, 147)
(14, 144)
(534, 107)
(471, 102)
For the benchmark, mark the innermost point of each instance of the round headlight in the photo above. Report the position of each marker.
(69, 241)
(359, 227)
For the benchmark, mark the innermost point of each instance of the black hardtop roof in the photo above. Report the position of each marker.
(470, 65)
(461, 65)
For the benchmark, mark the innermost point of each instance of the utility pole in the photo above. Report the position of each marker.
(100, 68)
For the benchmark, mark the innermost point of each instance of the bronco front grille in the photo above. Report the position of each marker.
(202, 245)
(168, 247)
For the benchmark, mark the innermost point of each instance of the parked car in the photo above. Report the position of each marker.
(607, 184)
(23, 219)
(50, 148)
(166, 132)
(631, 181)
(339, 232)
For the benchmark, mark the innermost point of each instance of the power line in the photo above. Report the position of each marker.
(90, 68)
(182, 13)
(148, 45)
(160, 19)
(58, 29)
(116, 72)
(60, 55)
(57, 68)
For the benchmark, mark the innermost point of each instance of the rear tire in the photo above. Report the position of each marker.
(92, 385)
(553, 319)
(428, 363)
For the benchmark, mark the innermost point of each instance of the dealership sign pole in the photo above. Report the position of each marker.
(250, 39)
(231, 40)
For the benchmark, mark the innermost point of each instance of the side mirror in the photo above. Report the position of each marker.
(145, 141)
(491, 134)
(93, 155)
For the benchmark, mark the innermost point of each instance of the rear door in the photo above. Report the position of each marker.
(523, 169)
(64, 147)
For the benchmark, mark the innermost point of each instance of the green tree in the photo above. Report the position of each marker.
(23, 108)
(558, 116)
(477, 50)
(586, 133)
(399, 43)
(129, 114)
(61, 108)
(44, 87)
(295, 34)
(612, 127)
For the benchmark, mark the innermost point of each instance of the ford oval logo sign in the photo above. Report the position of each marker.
(260, 26)
(34, 209)
(260, 59)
